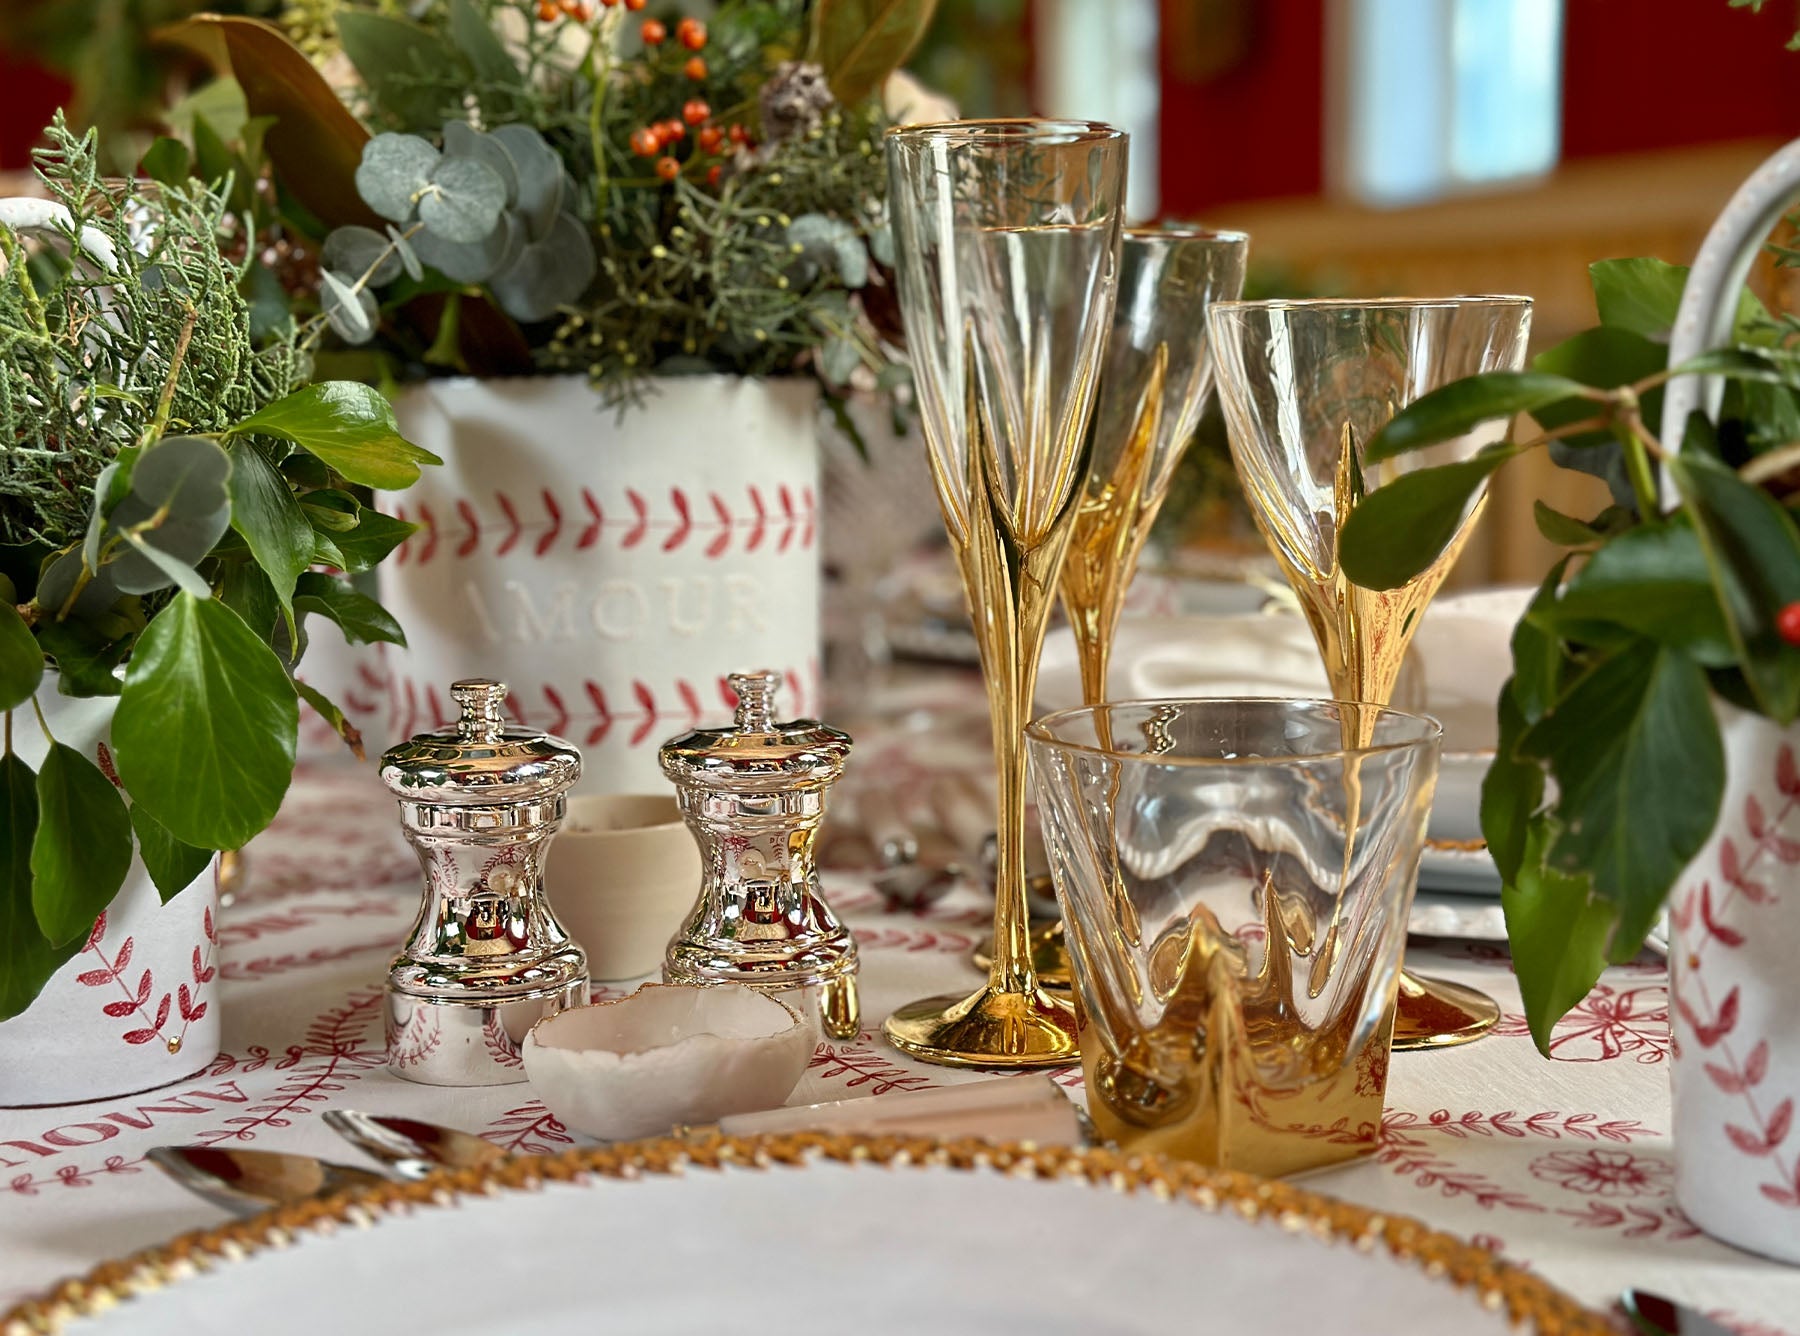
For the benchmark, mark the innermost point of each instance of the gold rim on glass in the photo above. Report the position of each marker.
(1494, 1284)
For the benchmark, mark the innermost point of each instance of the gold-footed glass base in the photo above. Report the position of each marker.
(988, 1028)
(1436, 1013)
(1049, 956)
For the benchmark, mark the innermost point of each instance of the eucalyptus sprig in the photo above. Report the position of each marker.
(1610, 771)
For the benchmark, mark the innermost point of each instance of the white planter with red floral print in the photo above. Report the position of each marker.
(1734, 985)
(138, 1006)
(612, 568)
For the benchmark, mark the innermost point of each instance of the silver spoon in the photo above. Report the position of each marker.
(409, 1147)
(248, 1182)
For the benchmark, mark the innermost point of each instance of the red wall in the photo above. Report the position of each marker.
(31, 98)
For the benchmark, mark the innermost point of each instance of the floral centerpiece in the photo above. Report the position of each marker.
(176, 502)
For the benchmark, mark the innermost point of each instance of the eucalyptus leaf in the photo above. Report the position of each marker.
(1559, 933)
(547, 274)
(172, 865)
(82, 849)
(404, 252)
(179, 496)
(21, 660)
(27, 960)
(1462, 405)
(349, 426)
(463, 140)
(350, 310)
(264, 511)
(1640, 772)
(205, 731)
(170, 570)
(57, 584)
(393, 172)
(540, 173)
(1399, 529)
(464, 201)
(362, 620)
(474, 262)
(838, 358)
(361, 252)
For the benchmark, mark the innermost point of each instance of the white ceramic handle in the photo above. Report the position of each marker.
(1709, 301)
(27, 213)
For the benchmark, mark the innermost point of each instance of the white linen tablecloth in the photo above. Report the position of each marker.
(1563, 1166)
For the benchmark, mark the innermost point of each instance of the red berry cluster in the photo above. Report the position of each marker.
(650, 141)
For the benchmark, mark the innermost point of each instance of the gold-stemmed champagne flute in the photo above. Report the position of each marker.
(1007, 252)
(1154, 383)
(1304, 385)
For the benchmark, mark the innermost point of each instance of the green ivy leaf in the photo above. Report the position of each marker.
(1462, 405)
(362, 620)
(245, 589)
(1640, 773)
(85, 657)
(368, 544)
(349, 426)
(264, 511)
(21, 659)
(82, 849)
(27, 960)
(1752, 551)
(1558, 932)
(1399, 529)
(173, 866)
(1653, 580)
(860, 42)
(205, 731)
(330, 712)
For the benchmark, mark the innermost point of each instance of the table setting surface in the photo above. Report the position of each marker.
(1563, 1167)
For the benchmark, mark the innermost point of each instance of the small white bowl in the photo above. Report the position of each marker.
(623, 873)
(669, 1054)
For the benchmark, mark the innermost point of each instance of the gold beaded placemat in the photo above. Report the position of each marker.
(1528, 1301)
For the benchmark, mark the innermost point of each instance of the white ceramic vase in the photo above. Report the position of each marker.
(1734, 994)
(612, 568)
(138, 1006)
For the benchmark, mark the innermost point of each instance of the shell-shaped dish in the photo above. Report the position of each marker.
(668, 1055)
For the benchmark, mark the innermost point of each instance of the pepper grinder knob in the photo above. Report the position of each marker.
(480, 699)
(756, 700)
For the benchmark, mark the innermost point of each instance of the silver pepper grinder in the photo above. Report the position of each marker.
(753, 795)
(487, 958)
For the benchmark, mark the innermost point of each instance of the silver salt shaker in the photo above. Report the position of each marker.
(753, 795)
(486, 958)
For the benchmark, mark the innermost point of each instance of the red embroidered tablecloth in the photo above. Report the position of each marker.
(1563, 1165)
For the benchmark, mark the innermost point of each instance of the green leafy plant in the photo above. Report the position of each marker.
(170, 489)
(1610, 769)
(568, 186)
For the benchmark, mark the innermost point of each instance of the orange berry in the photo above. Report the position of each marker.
(713, 173)
(739, 135)
(609, 3)
(636, 4)
(695, 68)
(691, 33)
(710, 139)
(646, 142)
(547, 10)
(581, 10)
(654, 32)
(693, 111)
(668, 168)
(671, 131)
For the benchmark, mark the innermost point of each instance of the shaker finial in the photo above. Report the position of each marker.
(756, 699)
(480, 699)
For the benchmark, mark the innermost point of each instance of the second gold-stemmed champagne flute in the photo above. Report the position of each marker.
(1007, 251)
(1304, 385)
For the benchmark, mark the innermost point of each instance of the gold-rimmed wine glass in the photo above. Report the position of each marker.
(1007, 252)
(1304, 385)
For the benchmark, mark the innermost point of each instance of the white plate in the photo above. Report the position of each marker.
(1461, 657)
(833, 1246)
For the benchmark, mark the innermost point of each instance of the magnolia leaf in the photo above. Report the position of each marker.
(368, 544)
(82, 849)
(21, 659)
(1752, 551)
(464, 200)
(361, 252)
(172, 865)
(393, 172)
(205, 730)
(407, 68)
(860, 42)
(362, 620)
(178, 506)
(313, 140)
(1399, 529)
(1558, 932)
(1462, 405)
(264, 511)
(1640, 772)
(349, 426)
(27, 960)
